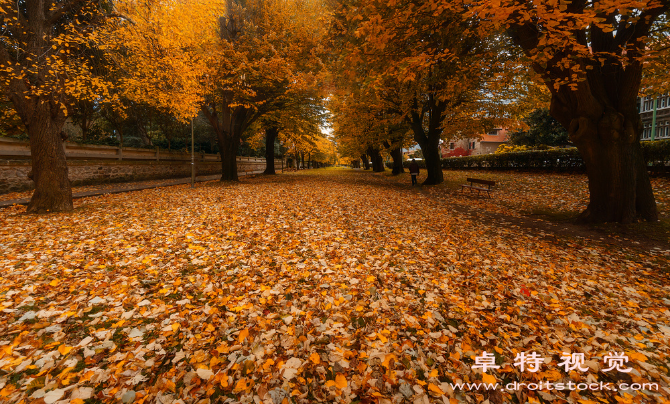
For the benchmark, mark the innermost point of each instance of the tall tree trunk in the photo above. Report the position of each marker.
(228, 127)
(53, 191)
(431, 155)
(309, 160)
(619, 186)
(302, 160)
(429, 140)
(229, 145)
(366, 162)
(607, 135)
(270, 137)
(377, 160)
(396, 155)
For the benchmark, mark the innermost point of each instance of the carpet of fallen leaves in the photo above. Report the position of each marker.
(101, 188)
(321, 286)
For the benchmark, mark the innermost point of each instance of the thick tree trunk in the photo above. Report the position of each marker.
(619, 186)
(396, 155)
(608, 140)
(229, 145)
(270, 137)
(431, 155)
(302, 160)
(377, 160)
(429, 140)
(366, 162)
(53, 191)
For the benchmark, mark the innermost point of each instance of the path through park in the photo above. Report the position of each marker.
(327, 285)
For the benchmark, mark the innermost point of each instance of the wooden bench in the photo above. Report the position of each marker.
(473, 181)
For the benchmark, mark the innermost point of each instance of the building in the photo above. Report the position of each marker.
(486, 144)
(655, 116)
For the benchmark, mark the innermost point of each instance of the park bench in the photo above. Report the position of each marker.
(473, 181)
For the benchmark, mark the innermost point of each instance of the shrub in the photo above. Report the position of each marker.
(656, 153)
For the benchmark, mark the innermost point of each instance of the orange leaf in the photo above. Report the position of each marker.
(340, 381)
(243, 335)
(488, 379)
(64, 349)
(435, 389)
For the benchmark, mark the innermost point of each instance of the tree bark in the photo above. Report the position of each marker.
(366, 162)
(228, 127)
(597, 104)
(396, 155)
(429, 138)
(619, 186)
(270, 137)
(229, 146)
(377, 160)
(53, 191)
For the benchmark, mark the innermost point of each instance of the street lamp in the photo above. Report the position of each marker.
(192, 157)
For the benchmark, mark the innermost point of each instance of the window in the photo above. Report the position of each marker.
(664, 102)
(473, 145)
(452, 146)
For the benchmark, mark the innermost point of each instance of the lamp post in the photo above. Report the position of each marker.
(192, 157)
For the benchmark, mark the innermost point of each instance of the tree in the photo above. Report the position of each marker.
(268, 48)
(430, 65)
(543, 129)
(591, 55)
(46, 64)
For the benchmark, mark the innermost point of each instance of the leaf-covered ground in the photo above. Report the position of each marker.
(321, 286)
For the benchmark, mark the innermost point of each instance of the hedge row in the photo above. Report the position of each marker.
(554, 160)
(656, 153)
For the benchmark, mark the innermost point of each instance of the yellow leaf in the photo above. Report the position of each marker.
(433, 373)
(435, 389)
(637, 356)
(340, 381)
(240, 386)
(77, 401)
(370, 278)
(175, 327)
(64, 349)
(55, 282)
(314, 357)
(387, 360)
(488, 378)
(243, 335)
